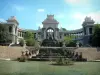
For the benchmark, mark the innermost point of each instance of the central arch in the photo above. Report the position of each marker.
(50, 40)
(50, 33)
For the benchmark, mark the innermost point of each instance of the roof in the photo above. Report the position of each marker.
(76, 31)
(73, 31)
(50, 19)
(19, 29)
(88, 21)
(12, 19)
(24, 30)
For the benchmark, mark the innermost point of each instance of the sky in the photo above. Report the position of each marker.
(31, 13)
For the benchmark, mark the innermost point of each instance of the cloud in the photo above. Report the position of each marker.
(94, 15)
(18, 7)
(79, 17)
(2, 20)
(60, 16)
(74, 26)
(40, 10)
(39, 25)
(75, 2)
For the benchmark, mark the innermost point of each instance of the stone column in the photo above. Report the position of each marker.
(16, 35)
(87, 31)
(62, 35)
(21, 34)
(13, 32)
(44, 33)
(56, 34)
(79, 35)
(76, 35)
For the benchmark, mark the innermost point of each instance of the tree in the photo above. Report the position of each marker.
(69, 41)
(21, 42)
(96, 35)
(30, 42)
(5, 36)
(64, 29)
(72, 44)
(29, 37)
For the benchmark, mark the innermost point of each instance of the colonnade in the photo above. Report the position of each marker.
(20, 34)
(77, 35)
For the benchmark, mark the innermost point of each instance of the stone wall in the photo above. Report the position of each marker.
(90, 53)
(14, 52)
(10, 52)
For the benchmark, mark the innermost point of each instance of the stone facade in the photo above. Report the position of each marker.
(50, 26)
(12, 24)
(50, 30)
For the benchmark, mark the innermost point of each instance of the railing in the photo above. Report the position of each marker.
(66, 48)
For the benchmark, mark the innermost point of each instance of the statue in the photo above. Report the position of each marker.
(64, 46)
(77, 44)
(37, 47)
(24, 44)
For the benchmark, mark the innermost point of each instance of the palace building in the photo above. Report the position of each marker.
(51, 31)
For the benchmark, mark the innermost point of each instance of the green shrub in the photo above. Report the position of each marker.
(71, 44)
(21, 42)
(69, 62)
(60, 61)
(64, 61)
(22, 59)
(30, 42)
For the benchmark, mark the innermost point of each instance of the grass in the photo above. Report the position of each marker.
(44, 68)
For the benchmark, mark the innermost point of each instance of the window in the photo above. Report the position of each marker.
(15, 30)
(10, 29)
(90, 30)
(50, 33)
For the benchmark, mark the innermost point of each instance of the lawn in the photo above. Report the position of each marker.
(45, 68)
